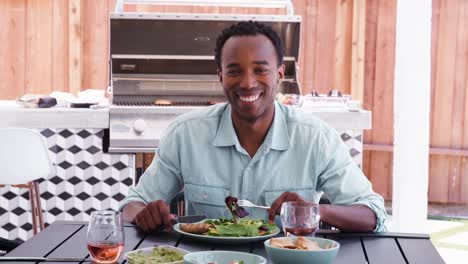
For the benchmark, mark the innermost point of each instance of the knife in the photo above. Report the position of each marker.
(189, 219)
(184, 220)
(43, 259)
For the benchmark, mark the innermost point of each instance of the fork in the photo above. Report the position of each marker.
(247, 203)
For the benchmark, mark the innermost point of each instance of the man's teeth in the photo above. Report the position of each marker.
(249, 99)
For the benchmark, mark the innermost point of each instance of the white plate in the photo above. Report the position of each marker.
(225, 240)
(149, 249)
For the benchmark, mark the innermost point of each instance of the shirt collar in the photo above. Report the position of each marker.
(226, 135)
(277, 137)
(279, 130)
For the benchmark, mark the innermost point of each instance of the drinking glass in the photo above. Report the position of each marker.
(105, 236)
(300, 218)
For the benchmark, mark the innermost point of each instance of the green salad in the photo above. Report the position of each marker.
(157, 255)
(243, 227)
(237, 226)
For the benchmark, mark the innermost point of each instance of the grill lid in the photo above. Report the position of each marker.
(188, 34)
(172, 55)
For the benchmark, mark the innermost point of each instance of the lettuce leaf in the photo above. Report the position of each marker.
(236, 211)
(236, 230)
(244, 228)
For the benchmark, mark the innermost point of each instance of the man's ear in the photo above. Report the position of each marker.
(281, 70)
(220, 75)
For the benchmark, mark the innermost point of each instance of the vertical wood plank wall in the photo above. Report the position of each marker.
(380, 30)
(49, 45)
(449, 127)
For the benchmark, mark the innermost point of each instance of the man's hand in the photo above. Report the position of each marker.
(275, 208)
(150, 217)
(352, 218)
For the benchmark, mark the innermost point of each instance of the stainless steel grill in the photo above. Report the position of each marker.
(162, 65)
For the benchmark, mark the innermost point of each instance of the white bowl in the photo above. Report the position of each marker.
(285, 256)
(149, 249)
(222, 257)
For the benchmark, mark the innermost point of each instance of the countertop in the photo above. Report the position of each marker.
(343, 120)
(12, 115)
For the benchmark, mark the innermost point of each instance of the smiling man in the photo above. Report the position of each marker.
(250, 72)
(253, 148)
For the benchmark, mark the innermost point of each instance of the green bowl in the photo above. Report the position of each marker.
(286, 256)
(222, 257)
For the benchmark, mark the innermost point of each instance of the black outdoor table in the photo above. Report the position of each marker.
(68, 239)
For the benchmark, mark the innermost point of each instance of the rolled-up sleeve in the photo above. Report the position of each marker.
(342, 180)
(162, 180)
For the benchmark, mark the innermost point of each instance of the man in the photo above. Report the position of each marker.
(253, 148)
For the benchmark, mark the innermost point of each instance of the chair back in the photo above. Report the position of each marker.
(24, 156)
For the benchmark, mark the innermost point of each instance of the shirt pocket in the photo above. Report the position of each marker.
(310, 194)
(207, 200)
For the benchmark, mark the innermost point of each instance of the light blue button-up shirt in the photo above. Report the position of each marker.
(201, 154)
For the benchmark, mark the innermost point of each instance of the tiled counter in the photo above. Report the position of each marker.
(86, 178)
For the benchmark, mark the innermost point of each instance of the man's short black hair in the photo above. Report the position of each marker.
(248, 28)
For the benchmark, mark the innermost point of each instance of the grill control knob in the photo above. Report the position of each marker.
(139, 126)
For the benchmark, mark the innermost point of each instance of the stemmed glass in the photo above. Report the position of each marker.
(300, 218)
(105, 236)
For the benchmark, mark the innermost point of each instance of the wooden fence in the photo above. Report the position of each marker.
(348, 45)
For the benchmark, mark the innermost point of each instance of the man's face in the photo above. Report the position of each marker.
(250, 75)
